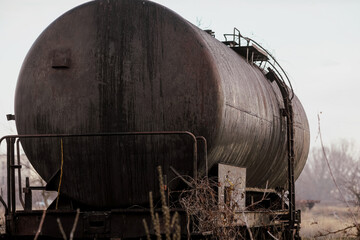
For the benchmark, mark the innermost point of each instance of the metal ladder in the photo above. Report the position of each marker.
(254, 53)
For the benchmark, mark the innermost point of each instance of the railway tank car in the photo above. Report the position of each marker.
(134, 66)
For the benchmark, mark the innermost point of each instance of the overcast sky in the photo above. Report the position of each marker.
(316, 42)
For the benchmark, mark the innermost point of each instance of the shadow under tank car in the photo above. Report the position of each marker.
(126, 86)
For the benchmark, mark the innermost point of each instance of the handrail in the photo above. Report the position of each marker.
(19, 173)
(98, 134)
(205, 153)
(237, 34)
(283, 71)
(110, 134)
(14, 139)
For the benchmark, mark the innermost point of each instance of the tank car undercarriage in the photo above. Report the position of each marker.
(263, 213)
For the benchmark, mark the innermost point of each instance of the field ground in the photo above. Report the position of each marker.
(323, 218)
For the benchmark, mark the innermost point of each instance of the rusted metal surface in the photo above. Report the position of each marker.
(253, 131)
(124, 66)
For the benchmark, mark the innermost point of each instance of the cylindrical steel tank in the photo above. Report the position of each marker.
(133, 65)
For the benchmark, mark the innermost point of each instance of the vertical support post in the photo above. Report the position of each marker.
(8, 173)
(291, 178)
(10, 221)
(195, 159)
(12, 175)
(288, 112)
(28, 196)
(19, 172)
(203, 150)
(247, 54)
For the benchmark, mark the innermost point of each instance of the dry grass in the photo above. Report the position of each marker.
(171, 226)
(323, 219)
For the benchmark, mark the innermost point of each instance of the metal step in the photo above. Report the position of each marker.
(251, 53)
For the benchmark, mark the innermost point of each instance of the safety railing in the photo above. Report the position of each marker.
(235, 39)
(12, 140)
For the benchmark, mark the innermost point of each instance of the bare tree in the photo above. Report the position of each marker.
(315, 182)
(346, 168)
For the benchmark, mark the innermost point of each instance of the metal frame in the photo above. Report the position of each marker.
(10, 204)
(15, 219)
